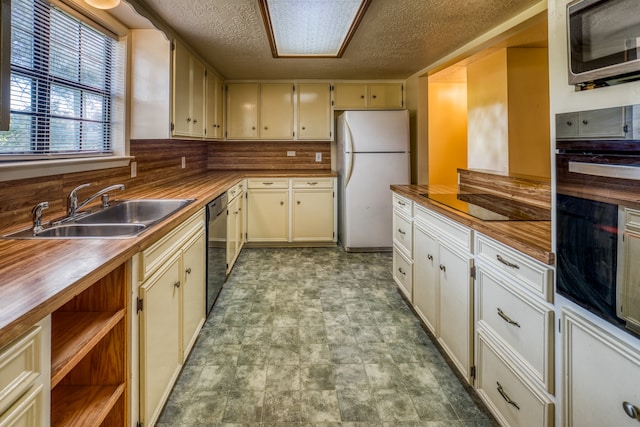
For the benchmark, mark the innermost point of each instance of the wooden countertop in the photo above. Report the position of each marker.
(39, 276)
(532, 238)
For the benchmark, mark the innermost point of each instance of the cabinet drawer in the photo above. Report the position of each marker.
(512, 399)
(27, 411)
(454, 232)
(312, 182)
(268, 183)
(402, 272)
(402, 204)
(403, 233)
(19, 366)
(152, 257)
(520, 321)
(531, 274)
(236, 190)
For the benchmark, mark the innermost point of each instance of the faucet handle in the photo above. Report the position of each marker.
(72, 200)
(36, 214)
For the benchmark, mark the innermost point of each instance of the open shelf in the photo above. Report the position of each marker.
(84, 406)
(74, 335)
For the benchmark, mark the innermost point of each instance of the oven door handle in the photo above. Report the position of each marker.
(608, 171)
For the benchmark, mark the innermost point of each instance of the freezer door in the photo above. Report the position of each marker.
(366, 212)
(375, 131)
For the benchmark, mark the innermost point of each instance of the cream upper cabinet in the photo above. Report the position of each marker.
(348, 96)
(601, 376)
(242, 110)
(260, 111)
(276, 111)
(188, 93)
(361, 96)
(386, 95)
(314, 111)
(214, 106)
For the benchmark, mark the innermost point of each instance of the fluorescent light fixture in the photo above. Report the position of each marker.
(311, 28)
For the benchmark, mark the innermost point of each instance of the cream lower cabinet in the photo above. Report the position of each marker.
(171, 305)
(25, 378)
(235, 223)
(403, 245)
(515, 357)
(601, 375)
(443, 283)
(296, 210)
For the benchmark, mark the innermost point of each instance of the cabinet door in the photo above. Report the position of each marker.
(181, 89)
(605, 122)
(28, 411)
(268, 216)
(276, 111)
(350, 96)
(242, 111)
(631, 284)
(213, 106)
(314, 111)
(232, 230)
(193, 291)
(456, 313)
(385, 95)
(159, 338)
(197, 97)
(566, 125)
(425, 278)
(312, 216)
(240, 226)
(601, 376)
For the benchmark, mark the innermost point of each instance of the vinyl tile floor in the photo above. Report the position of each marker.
(317, 337)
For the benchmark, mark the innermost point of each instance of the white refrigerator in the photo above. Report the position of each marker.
(371, 154)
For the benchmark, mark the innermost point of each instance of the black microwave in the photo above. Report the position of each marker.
(604, 42)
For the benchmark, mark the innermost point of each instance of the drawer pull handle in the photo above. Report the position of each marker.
(430, 257)
(507, 318)
(443, 268)
(267, 183)
(507, 263)
(402, 203)
(630, 410)
(188, 270)
(400, 231)
(312, 183)
(506, 397)
(177, 284)
(401, 271)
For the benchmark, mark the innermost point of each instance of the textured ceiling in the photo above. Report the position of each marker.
(395, 39)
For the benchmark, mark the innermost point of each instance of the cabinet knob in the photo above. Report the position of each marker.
(195, 121)
(253, 128)
(298, 202)
(402, 271)
(443, 268)
(430, 257)
(361, 96)
(569, 123)
(374, 97)
(303, 128)
(188, 119)
(281, 203)
(630, 410)
(177, 284)
(266, 128)
(585, 122)
(188, 270)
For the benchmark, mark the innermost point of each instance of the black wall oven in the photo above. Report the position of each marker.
(597, 184)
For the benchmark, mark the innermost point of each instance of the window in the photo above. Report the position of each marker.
(63, 84)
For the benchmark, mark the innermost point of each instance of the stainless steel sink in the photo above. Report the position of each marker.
(123, 219)
(92, 231)
(139, 211)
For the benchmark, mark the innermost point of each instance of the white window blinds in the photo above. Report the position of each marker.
(63, 84)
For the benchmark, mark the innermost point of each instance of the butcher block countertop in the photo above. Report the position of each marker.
(38, 276)
(532, 238)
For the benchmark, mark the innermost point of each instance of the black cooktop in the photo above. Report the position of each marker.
(489, 207)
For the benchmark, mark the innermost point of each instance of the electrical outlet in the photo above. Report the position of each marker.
(134, 169)
(184, 162)
(318, 157)
(291, 153)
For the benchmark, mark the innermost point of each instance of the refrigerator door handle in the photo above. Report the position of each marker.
(348, 153)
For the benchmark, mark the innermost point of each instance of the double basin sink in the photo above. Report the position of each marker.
(122, 219)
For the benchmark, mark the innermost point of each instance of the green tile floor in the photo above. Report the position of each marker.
(316, 337)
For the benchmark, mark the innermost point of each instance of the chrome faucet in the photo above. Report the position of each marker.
(72, 202)
(36, 213)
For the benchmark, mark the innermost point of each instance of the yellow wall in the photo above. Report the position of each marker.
(447, 124)
(488, 143)
(528, 87)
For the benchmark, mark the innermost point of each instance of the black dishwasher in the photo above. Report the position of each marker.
(216, 248)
